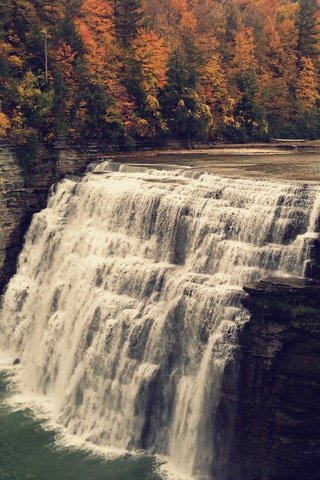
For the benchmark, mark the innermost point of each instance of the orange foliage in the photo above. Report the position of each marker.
(4, 125)
(151, 51)
(96, 28)
(64, 58)
(244, 50)
(224, 52)
(98, 16)
(307, 84)
(188, 21)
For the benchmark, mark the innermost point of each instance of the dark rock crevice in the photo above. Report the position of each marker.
(274, 400)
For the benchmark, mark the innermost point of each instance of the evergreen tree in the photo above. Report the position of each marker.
(308, 29)
(187, 116)
(128, 15)
(250, 118)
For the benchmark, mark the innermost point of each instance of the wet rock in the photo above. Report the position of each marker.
(270, 403)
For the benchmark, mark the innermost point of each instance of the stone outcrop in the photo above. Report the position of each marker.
(17, 202)
(271, 393)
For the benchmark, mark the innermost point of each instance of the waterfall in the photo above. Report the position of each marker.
(127, 300)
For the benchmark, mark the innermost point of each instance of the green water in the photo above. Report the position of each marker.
(28, 452)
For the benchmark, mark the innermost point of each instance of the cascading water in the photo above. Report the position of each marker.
(126, 304)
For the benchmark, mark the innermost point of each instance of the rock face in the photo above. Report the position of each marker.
(22, 194)
(17, 202)
(272, 392)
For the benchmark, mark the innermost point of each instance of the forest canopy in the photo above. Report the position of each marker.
(124, 70)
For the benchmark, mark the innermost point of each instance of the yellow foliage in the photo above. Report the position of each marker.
(4, 125)
(214, 89)
(140, 126)
(5, 48)
(8, 52)
(307, 84)
(31, 95)
(27, 88)
(17, 119)
(151, 51)
(244, 50)
(16, 61)
(287, 11)
(213, 75)
(152, 103)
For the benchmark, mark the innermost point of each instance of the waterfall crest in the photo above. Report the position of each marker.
(126, 304)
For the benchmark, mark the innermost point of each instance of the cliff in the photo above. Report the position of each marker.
(272, 391)
(22, 193)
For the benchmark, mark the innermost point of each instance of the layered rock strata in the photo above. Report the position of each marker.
(272, 391)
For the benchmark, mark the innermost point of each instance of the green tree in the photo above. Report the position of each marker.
(250, 119)
(308, 29)
(183, 109)
(128, 16)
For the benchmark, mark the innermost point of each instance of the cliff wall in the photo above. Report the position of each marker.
(271, 392)
(24, 193)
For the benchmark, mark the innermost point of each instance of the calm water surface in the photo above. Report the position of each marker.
(264, 163)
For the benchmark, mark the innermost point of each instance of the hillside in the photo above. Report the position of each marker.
(124, 70)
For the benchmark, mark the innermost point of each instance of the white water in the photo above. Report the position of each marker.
(126, 304)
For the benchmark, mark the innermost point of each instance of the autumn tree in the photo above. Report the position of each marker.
(244, 57)
(123, 70)
(250, 118)
(146, 75)
(307, 85)
(213, 88)
(95, 26)
(152, 54)
(4, 125)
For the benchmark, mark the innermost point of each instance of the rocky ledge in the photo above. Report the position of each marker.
(271, 392)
